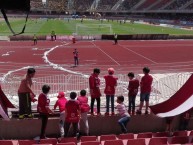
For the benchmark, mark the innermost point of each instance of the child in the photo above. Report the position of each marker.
(44, 109)
(26, 95)
(84, 108)
(133, 90)
(125, 117)
(94, 84)
(111, 83)
(72, 113)
(61, 103)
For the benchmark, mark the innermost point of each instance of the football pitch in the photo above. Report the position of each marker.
(87, 27)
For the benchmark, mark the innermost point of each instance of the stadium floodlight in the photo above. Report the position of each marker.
(93, 29)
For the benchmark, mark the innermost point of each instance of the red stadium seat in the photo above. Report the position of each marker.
(156, 141)
(126, 136)
(52, 141)
(191, 133)
(90, 143)
(136, 142)
(113, 142)
(88, 138)
(68, 143)
(178, 140)
(145, 135)
(107, 137)
(180, 133)
(161, 134)
(68, 139)
(6, 142)
(26, 142)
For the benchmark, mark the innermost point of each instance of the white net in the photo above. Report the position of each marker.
(93, 29)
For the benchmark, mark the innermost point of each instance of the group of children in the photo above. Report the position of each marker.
(76, 108)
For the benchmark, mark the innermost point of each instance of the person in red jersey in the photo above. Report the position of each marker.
(44, 109)
(26, 95)
(72, 113)
(94, 84)
(61, 103)
(76, 61)
(133, 90)
(111, 83)
(84, 108)
(145, 86)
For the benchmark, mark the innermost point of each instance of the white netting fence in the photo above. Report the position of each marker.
(163, 87)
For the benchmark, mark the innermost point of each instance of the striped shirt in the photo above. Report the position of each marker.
(122, 110)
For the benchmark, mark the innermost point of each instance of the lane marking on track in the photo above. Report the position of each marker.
(138, 54)
(105, 53)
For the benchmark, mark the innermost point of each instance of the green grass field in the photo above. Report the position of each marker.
(63, 27)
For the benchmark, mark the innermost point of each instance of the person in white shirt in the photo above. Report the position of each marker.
(122, 112)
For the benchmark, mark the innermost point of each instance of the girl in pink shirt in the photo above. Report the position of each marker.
(61, 103)
(84, 108)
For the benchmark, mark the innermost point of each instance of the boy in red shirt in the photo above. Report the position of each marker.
(61, 103)
(94, 84)
(145, 86)
(111, 83)
(133, 90)
(72, 113)
(44, 109)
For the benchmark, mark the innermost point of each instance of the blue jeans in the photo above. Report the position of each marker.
(108, 97)
(132, 103)
(123, 123)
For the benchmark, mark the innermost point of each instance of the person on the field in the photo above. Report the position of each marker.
(133, 90)
(43, 109)
(111, 83)
(94, 85)
(35, 39)
(76, 61)
(26, 95)
(53, 36)
(115, 38)
(145, 86)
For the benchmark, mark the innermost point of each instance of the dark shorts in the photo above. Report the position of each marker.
(144, 97)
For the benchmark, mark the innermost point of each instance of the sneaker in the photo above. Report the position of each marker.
(112, 114)
(138, 112)
(30, 116)
(92, 114)
(21, 116)
(107, 114)
(146, 112)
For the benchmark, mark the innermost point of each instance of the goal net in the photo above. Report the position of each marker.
(93, 29)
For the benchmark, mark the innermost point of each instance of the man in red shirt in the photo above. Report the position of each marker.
(72, 115)
(145, 86)
(44, 109)
(133, 90)
(75, 53)
(111, 83)
(94, 84)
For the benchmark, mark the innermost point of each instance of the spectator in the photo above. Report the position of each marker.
(44, 109)
(133, 90)
(145, 86)
(72, 114)
(61, 103)
(125, 117)
(26, 94)
(184, 120)
(75, 53)
(111, 83)
(169, 125)
(94, 84)
(84, 108)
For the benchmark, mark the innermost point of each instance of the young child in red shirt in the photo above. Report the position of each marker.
(133, 90)
(84, 108)
(111, 83)
(61, 103)
(44, 109)
(72, 113)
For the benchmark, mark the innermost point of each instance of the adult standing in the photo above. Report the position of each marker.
(26, 95)
(145, 86)
(110, 85)
(94, 84)
(76, 61)
(115, 38)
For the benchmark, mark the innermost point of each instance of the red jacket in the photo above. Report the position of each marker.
(94, 84)
(43, 103)
(133, 87)
(111, 83)
(145, 84)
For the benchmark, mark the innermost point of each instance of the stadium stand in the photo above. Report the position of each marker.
(159, 5)
(127, 5)
(146, 4)
(83, 5)
(177, 4)
(106, 5)
(88, 138)
(52, 141)
(126, 136)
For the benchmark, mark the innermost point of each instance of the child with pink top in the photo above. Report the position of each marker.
(61, 103)
(84, 109)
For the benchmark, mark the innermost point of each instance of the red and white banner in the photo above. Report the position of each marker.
(179, 103)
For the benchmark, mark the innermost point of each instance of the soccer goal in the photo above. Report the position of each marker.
(93, 29)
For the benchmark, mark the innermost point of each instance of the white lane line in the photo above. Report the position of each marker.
(139, 54)
(105, 53)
